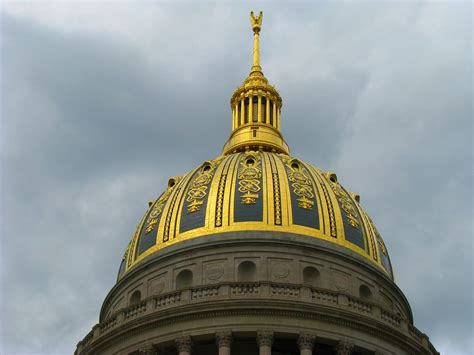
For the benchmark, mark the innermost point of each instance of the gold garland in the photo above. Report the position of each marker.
(198, 189)
(332, 218)
(301, 184)
(249, 179)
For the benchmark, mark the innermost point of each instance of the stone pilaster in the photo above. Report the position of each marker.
(224, 342)
(265, 342)
(184, 345)
(306, 343)
(344, 347)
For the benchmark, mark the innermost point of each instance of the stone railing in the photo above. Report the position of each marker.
(323, 296)
(167, 299)
(252, 290)
(245, 288)
(390, 318)
(285, 290)
(108, 324)
(134, 310)
(359, 305)
(204, 292)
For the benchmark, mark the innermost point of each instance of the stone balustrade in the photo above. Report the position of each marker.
(204, 292)
(319, 295)
(359, 305)
(167, 299)
(226, 291)
(134, 311)
(390, 318)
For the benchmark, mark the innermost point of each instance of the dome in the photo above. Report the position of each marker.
(255, 185)
(257, 191)
(255, 252)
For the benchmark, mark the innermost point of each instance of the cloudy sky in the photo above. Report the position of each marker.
(101, 102)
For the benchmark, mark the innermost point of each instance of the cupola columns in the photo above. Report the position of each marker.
(256, 107)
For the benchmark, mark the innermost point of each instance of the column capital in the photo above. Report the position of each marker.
(184, 343)
(344, 347)
(224, 339)
(265, 338)
(306, 341)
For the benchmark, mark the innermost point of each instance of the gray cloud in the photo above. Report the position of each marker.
(103, 102)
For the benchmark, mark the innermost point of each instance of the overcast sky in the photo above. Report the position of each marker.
(103, 101)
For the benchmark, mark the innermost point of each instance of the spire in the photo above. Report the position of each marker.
(256, 23)
(256, 107)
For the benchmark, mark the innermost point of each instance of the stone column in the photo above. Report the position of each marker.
(250, 110)
(259, 109)
(344, 347)
(184, 345)
(224, 342)
(265, 341)
(306, 343)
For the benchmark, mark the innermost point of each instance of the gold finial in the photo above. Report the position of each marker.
(256, 108)
(256, 22)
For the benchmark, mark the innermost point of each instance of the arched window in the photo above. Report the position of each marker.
(310, 275)
(184, 279)
(247, 271)
(365, 293)
(135, 298)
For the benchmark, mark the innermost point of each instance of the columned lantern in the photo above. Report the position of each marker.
(255, 252)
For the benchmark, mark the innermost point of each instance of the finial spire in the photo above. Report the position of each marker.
(256, 22)
(256, 108)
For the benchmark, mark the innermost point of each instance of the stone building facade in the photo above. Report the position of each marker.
(256, 252)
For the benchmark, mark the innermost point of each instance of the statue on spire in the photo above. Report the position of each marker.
(256, 21)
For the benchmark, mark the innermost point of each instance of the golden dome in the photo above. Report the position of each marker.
(257, 191)
(256, 186)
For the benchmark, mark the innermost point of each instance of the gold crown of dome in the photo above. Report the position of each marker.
(255, 186)
(256, 107)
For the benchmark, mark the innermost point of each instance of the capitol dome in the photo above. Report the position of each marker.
(257, 190)
(255, 252)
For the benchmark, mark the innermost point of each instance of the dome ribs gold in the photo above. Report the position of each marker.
(321, 183)
(277, 214)
(220, 193)
(318, 187)
(169, 214)
(132, 247)
(369, 232)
